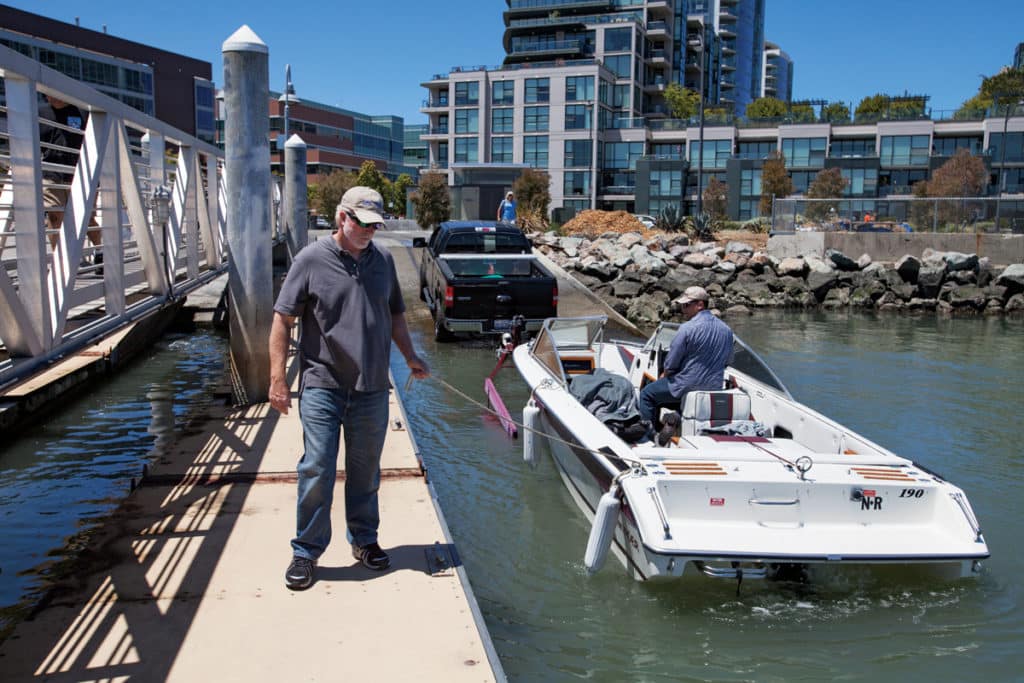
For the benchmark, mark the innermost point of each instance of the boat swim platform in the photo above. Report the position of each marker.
(185, 579)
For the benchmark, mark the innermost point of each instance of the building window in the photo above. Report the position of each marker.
(442, 124)
(905, 150)
(142, 82)
(802, 180)
(467, 121)
(576, 183)
(716, 153)
(579, 89)
(501, 120)
(442, 155)
(618, 40)
(501, 150)
(619, 65)
(577, 153)
(1014, 147)
(465, 150)
(535, 150)
(755, 150)
(804, 152)
(622, 155)
(100, 73)
(947, 147)
(852, 149)
(535, 119)
(467, 93)
(577, 117)
(66, 64)
(538, 90)
(503, 92)
(576, 205)
(750, 182)
(860, 182)
(620, 96)
(667, 150)
(666, 183)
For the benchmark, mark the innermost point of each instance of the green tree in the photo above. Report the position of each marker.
(836, 112)
(1007, 86)
(329, 191)
(828, 184)
(432, 202)
(766, 108)
(921, 212)
(716, 114)
(370, 176)
(398, 192)
(775, 182)
(802, 113)
(683, 103)
(533, 197)
(879, 106)
(715, 200)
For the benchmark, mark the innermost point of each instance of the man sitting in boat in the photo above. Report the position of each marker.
(696, 361)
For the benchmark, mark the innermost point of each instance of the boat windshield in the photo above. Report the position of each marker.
(750, 364)
(743, 358)
(559, 335)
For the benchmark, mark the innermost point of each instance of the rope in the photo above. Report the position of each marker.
(488, 409)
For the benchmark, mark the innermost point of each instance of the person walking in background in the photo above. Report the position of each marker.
(507, 209)
(345, 292)
(696, 359)
(61, 147)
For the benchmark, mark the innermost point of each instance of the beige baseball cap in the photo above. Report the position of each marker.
(692, 294)
(365, 202)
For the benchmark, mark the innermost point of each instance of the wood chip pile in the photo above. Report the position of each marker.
(592, 223)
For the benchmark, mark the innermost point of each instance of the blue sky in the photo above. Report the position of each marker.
(371, 57)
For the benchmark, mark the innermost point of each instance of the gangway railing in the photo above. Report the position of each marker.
(155, 194)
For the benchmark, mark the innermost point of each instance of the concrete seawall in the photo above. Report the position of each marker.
(888, 247)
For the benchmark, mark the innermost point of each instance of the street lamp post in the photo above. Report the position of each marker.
(698, 42)
(1002, 158)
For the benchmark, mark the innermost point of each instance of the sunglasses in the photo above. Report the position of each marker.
(365, 226)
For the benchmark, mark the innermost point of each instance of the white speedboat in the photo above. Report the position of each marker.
(753, 485)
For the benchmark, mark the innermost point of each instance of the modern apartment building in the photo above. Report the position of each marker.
(880, 160)
(776, 73)
(176, 89)
(580, 91)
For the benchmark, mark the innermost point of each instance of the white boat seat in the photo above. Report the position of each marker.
(704, 410)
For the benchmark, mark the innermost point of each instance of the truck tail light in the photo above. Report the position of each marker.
(449, 296)
(554, 296)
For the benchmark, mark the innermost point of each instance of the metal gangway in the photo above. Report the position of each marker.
(155, 194)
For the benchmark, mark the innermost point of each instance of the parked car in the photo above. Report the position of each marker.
(648, 221)
(323, 223)
(478, 276)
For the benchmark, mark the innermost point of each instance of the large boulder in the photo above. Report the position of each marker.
(739, 248)
(908, 267)
(929, 279)
(841, 260)
(955, 261)
(965, 296)
(1012, 278)
(646, 261)
(700, 260)
(821, 284)
(792, 265)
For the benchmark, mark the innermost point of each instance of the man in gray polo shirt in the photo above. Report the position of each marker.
(345, 292)
(696, 358)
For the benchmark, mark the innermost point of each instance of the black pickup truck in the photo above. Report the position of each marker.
(476, 276)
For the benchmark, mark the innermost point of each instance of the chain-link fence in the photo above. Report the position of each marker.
(942, 214)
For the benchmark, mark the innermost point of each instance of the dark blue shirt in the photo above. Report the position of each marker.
(698, 355)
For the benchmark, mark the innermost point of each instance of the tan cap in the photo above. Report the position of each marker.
(692, 294)
(365, 202)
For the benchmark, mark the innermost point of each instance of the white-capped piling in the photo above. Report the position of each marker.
(247, 172)
(296, 213)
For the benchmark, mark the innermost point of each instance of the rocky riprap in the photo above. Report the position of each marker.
(639, 277)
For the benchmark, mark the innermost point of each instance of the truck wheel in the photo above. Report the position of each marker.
(441, 333)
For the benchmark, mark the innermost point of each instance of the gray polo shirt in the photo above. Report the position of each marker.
(698, 354)
(345, 307)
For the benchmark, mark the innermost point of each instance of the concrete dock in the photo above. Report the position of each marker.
(185, 582)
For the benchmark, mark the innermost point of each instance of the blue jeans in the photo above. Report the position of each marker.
(364, 416)
(653, 397)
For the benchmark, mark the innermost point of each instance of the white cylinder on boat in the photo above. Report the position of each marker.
(531, 422)
(603, 530)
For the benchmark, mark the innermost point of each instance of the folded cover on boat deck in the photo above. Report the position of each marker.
(611, 399)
